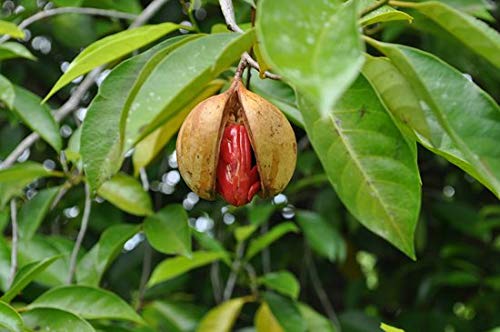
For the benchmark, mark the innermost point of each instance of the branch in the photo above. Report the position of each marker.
(81, 235)
(147, 13)
(13, 253)
(228, 12)
(146, 272)
(235, 269)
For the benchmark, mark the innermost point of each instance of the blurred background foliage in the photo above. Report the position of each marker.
(359, 279)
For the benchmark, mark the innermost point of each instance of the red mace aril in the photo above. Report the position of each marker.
(236, 144)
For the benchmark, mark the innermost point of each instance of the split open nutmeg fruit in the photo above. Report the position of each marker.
(236, 144)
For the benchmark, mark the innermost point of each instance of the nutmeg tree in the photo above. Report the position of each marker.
(256, 165)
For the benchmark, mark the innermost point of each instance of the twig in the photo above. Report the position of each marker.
(235, 269)
(14, 246)
(146, 271)
(81, 234)
(144, 179)
(266, 254)
(228, 12)
(75, 98)
(252, 275)
(216, 282)
(374, 7)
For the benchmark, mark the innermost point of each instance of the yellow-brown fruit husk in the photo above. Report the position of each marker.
(272, 138)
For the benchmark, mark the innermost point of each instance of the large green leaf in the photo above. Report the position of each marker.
(468, 116)
(12, 50)
(322, 236)
(8, 28)
(283, 282)
(168, 230)
(173, 267)
(265, 321)
(55, 320)
(15, 178)
(208, 242)
(87, 302)
(286, 312)
(10, 319)
(25, 275)
(190, 68)
(473, 33)
(174, 316)
(96, 261)
(263, 241)
(361, 151)
(222, 317)
(7, 93)
(34, 211)
(315, 321)
(38, 117)
(101, 142)
(383, 14)
(126, 193)
(317, 48)
(111, 48)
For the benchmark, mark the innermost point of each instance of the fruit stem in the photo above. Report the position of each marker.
(241, 67)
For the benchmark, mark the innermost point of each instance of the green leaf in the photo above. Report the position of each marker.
(222, 317)
(126, 193)
(38, 117)
(283, 282)
(175, 316)
(388, 328)
(148, 148)
(265, 240)
(286, 312)
(468, 116)
(322, 236)
(173, 267)
(12, 50)
(7, 93)
(473, 33)
(191, 67)
(315, 321)
(259, 214)
(101, 142)
(207, 242)
(168, 230)
(15, 178)
(111, 48)
(382, 14)
(301, 42)
(55, 320)
(97, 260)
(87, 302)
(34, 211)
(241, 233)
(361, 151)
(8, 28)
(26, 275)
(10, 319)
(264, 320)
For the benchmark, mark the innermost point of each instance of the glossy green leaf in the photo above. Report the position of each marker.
(10, 319)
(387, 328)
(8, 28)
(34, 211)
(26, 275)
(7, 93)
(126, 193)
(175, 316)
(361, 151)
(168, 230)
(300, 42)
(286, 312)
(473, 33)
(97, 260)
(101, 142)
(265, 321)
(55, 320)
(222, 317)
(469, 117)
(38, 117)
(322, 236)
(191, 67)
(12, 50)
(259, 214)
(283, 282)
(173, 267)
(241, 233)
(383, 14)
(265, 240)
(15, 178)
(87, 302)
(111, 48)
(315, 321)
(207, 242)
(148, 148)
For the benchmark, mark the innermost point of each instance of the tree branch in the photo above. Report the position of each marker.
(81, 234)
(14, 246)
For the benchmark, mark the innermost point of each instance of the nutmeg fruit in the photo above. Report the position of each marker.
(236, 144)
